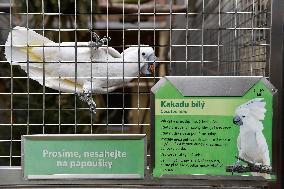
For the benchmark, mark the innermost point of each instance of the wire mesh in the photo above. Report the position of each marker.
(199, 37)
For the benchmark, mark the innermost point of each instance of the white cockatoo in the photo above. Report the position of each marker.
(251, 142)
(77, 67)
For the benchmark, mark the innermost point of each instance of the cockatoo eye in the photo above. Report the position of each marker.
(243, 116)
(143, 54)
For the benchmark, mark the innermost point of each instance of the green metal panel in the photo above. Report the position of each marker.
(196, 134)
(83, 156)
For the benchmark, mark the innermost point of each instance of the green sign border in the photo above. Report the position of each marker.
(84, 137)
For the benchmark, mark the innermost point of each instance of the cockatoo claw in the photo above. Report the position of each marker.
(87, 97)
(236, 166)
(98, 42)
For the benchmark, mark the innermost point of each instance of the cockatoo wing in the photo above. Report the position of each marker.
(263, 147)
(106, 70)
(25, 45)
(63, 67)
(56, 83)
(263, 155)
(92, 64)
(110, 51)
(69, 65)
(85, 53)
(30, 50)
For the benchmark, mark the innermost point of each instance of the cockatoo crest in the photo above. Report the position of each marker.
(251, 114)
(254, 107)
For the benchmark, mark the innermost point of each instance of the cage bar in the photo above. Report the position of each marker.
(194, 38)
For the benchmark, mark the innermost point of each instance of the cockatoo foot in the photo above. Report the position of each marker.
(98, 42)
(236, 166)
(87, 97)
(263, 168)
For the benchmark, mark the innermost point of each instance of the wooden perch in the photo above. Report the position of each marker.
(250, 167)
(144, 8)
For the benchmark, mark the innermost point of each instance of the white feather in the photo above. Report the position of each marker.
(100, 70)
(251, 143)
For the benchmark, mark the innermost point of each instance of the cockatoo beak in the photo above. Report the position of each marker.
(151, 64)
(145, 70)
(149, 67)
(151, 58)
(237, 120)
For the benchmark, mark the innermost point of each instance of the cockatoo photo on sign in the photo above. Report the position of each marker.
(82, 68)
(251, 142)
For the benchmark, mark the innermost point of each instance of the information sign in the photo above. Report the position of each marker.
(201, 124)
(83, 156)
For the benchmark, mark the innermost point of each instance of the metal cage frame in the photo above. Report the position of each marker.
(207, 49)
